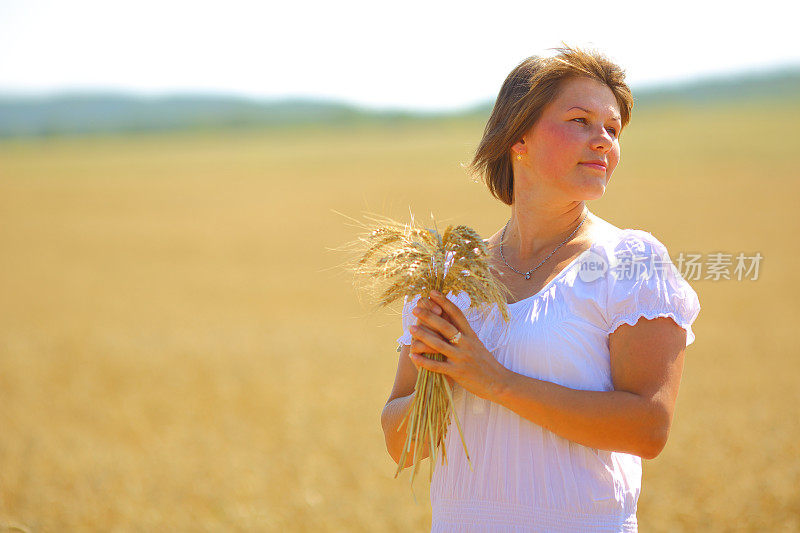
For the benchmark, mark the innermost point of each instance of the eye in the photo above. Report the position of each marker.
(613, 130)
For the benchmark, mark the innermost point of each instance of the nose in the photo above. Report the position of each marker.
(604, 141)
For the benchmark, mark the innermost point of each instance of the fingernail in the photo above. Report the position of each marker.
(436, 294)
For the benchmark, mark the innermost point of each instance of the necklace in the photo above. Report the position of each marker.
(529, 272)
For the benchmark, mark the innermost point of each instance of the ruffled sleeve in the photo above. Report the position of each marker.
(408, 320)
(643, 282)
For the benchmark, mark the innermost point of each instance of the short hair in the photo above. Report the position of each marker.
(527, 90)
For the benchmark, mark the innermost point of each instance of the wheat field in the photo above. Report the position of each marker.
(179, 350)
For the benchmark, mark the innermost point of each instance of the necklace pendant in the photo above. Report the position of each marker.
(528, 275)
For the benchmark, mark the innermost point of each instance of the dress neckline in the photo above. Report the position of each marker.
(556, 278)
(602, 236)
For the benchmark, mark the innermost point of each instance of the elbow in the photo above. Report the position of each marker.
(655, 420)
(395, 459)
(387, 437)
(656, 441)
(383, 418)
(652, 450)
(390, 449)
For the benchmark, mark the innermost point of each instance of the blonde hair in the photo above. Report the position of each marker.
(525, 93)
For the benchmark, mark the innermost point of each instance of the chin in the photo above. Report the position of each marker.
(593, 193)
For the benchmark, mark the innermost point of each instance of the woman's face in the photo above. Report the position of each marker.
(582, 124)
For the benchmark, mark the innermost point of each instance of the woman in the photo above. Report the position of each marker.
(559, 408)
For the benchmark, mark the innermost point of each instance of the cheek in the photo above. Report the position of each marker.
(613, 158)
(557, 145)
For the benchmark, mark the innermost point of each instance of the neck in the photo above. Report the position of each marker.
(536, 230)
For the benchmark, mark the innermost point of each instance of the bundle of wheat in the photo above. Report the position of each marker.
(396, 260)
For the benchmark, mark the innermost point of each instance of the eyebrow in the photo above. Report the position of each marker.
(615, 117)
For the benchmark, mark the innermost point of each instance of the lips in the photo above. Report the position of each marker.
(599, 165)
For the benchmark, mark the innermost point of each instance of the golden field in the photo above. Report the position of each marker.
(180, 352)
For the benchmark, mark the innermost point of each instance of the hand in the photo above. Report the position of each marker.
(418, 346)
(468, 362)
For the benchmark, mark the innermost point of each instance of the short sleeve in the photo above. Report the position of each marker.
(643, 282)
(408, 320)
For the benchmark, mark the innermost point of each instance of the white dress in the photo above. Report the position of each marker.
(525, 477)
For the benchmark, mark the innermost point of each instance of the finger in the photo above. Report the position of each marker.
(417, 346)
(435, 322)
(433, 340)
(453, 311)
(433, 306)
(427, 303)
(434, 366)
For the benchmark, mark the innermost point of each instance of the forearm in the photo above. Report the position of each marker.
(608, 420)
(391, 417)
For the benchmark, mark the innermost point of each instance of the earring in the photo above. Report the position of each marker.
(519, 157)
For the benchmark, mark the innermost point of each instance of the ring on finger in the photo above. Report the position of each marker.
(455, 338)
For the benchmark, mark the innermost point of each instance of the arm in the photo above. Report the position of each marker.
(397, 405)
(646, 366)
(402, 396)
(391, 417)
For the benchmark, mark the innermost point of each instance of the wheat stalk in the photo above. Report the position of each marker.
(396, 260)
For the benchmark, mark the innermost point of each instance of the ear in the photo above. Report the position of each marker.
(519, 148)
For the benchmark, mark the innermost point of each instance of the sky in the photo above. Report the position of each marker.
(416, 55)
